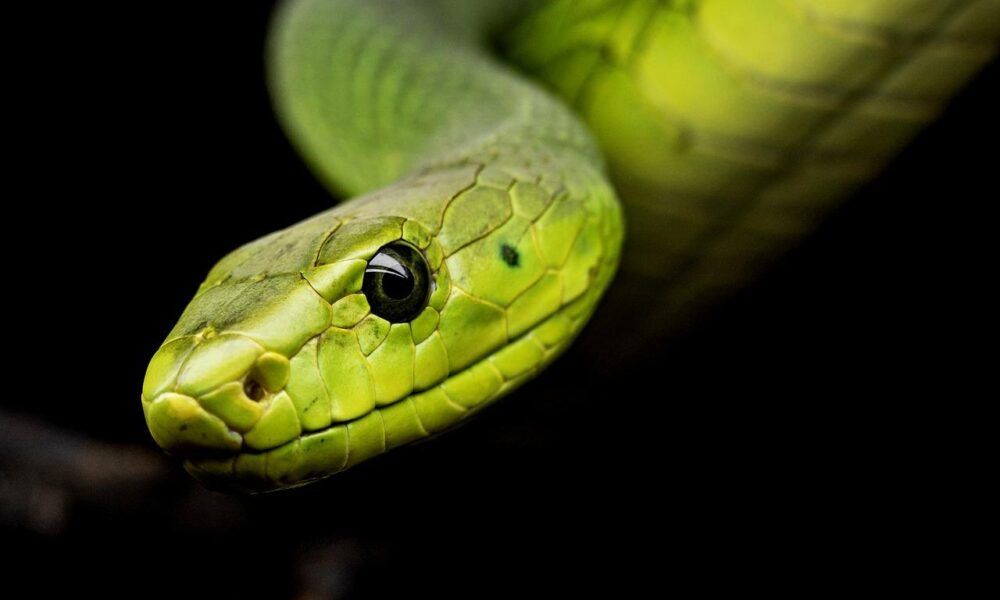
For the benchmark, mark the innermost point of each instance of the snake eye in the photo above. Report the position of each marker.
(397, 283)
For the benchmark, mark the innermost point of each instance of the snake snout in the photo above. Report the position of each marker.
(212, 393)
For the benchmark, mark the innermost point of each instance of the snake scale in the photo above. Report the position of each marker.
(493, 154)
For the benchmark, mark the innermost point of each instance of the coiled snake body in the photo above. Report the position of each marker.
(485, 224)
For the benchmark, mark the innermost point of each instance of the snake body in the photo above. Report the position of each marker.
(728, 128)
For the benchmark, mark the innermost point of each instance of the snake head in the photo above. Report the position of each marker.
(378, 323)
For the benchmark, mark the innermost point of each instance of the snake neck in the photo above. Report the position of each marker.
(420, 91)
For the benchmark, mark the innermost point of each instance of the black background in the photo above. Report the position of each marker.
(798, 435)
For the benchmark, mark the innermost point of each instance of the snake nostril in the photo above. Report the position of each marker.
(253, 389)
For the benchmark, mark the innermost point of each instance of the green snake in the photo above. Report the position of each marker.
(493, 153)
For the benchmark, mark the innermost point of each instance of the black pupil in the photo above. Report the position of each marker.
(398, 286)
(397, 282)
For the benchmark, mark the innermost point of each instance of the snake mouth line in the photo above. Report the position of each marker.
(322, 452)
(378, 409)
